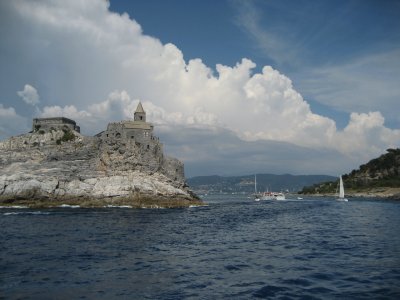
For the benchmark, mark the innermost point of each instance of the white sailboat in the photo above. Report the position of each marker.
(256, 195)
(341, 191)
(266, 195)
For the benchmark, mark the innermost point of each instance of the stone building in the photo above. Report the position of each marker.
(138, 131)
(57, 123)
(128, 145)
(138, 148)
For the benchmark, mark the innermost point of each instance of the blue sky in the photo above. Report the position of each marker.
(233, 87)
(296, 37)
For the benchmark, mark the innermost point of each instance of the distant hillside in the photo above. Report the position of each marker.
(245, 184)
(378, 174)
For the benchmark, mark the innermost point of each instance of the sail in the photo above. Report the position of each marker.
(341, 188)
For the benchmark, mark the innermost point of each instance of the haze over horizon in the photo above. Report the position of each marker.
(232, 87)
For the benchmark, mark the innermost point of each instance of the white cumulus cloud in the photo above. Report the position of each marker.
(98, 64)
(10, 122)
(366, 132)
(29, 94)
(69, 111)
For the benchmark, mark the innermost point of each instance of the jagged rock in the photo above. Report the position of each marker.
(59, 163)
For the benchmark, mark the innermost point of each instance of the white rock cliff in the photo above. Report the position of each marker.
(59, 165)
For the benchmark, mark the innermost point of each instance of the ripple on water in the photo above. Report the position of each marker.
(270, 291)
(297, 282)
(236, 267)
(13, 213)
(234, 250)
(322, 276)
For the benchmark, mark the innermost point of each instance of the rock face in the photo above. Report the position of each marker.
(380, 177)
(381, 171)
(60, 164)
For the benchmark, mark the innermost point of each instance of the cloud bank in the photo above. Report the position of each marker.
(95, 65)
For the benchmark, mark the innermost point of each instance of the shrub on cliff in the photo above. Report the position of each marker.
(68, 136)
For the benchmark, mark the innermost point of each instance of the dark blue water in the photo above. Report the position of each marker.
(235, 249)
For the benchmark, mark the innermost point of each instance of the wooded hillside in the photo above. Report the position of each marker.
(381, 172)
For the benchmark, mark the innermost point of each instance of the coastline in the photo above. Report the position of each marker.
(134, 201)
(378, 192)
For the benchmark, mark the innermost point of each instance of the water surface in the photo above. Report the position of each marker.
(234, 248)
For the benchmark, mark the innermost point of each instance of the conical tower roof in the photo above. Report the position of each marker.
(139, 108)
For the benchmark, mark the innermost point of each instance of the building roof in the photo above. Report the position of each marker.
(63, 119)
(139, 108)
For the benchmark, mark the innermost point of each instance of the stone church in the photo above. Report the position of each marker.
(139, 148)
(138, 131)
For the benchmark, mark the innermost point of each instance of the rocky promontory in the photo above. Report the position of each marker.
(54, 165)
(380, 178)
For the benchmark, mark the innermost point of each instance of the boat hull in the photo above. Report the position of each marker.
(273, 196)
(342, 199)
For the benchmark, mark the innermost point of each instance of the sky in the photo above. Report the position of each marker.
(232, 86)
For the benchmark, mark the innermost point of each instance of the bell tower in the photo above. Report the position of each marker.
(140, 114)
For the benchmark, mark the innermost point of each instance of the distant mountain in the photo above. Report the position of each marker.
(378, 174)
(245, 184)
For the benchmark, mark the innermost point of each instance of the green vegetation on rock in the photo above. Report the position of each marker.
(68, 136)
(381, 172)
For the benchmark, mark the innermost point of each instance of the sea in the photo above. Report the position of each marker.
(232, 248)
